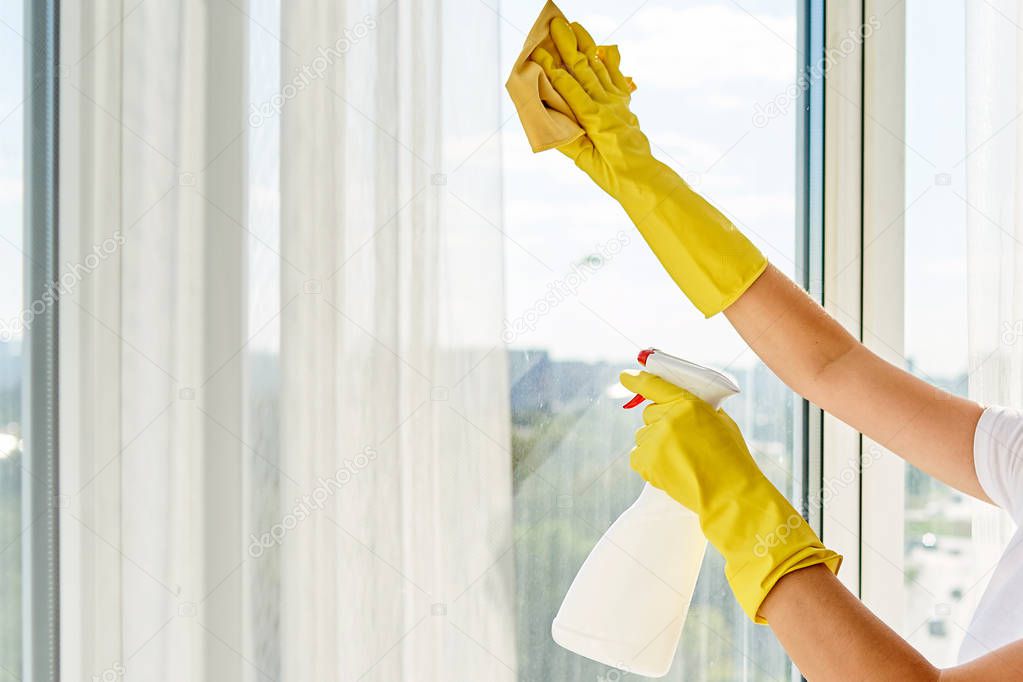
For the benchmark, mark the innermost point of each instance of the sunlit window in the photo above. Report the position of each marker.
(12, 524)
(584, 294)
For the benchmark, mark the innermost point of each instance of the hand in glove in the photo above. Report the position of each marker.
(697, 455)
(710, 260)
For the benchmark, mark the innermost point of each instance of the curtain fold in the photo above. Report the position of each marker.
(391, 346)
(151, 195)
(334, 503)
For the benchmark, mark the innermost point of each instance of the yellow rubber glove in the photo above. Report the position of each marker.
(697, 455)
(710, 260)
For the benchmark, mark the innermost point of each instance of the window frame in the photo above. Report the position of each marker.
(848, 179)
(864, 273)
(810, 138)
(842, 273)
(883, 474)
(40, 542)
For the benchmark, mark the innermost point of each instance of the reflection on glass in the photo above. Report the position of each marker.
(262, 481)
(938, 519)
(578, 312)
(12, 525)
(571, 440)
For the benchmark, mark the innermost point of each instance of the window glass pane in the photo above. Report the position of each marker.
(262, 477)
(589, 294)
(12, 95)
(944, 577)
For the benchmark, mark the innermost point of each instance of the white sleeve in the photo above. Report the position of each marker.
(998, 458)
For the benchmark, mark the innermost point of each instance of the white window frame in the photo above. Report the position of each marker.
(882, 544)
(843, 236)
(864, 274)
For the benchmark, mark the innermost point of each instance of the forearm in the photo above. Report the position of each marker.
(775, 317)
(831, 635)
(815, 356)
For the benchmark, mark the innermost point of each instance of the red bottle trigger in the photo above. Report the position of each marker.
(636, 400)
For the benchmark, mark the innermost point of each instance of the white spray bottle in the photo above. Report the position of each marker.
(628, 603)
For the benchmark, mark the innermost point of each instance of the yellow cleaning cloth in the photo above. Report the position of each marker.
(545, 116)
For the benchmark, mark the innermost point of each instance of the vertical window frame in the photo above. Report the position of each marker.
(810, 229)
(882, 524)
(843, 176)
(864, 272)
(40, 557)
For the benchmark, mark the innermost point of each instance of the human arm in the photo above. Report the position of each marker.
(818, 359)
(719, 269)
(777, 567)
(831, 635)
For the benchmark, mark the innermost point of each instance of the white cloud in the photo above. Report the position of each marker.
(689, 47)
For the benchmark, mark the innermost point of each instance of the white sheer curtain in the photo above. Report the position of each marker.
(388, 550)
(151, 199)
(994, 172)
(390, 217)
